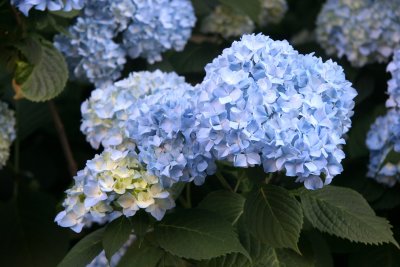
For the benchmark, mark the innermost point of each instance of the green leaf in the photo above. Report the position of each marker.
(169, 260)
(225, 203)
(84, 251)
(29, 236)
(346, 214)
(197, 234)
(116, 234)
(140, 223)
(274, 217)
(141, 254)
(41, 78)
(250, 8)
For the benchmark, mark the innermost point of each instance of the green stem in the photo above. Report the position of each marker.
(223, 181)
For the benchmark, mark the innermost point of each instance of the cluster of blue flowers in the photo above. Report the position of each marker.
(106, 112)
(53, 5)
(261, 102)
(7, 132)
(229, 23)
(365, 31)
(383, 139)
(147, 28)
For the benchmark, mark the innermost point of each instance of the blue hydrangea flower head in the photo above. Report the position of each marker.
(365, 31)
(53, 5)
(90, 50)
(158, 26)
(262, 102)
(7, 132)
(383, 140)
(112, 184)
(394, 82)
(272, 11)
(164, 129)
(148, 28)
(105, 113)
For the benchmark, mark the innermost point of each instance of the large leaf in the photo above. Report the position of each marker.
(141, 254)
(346, 214)
(250, 8)
(197, 234)
(84, 251)
(29, 236)
(44, 75)
(115, 235)
(227, 204)
(274, 217)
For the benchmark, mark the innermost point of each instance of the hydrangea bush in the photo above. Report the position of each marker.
(139, 133)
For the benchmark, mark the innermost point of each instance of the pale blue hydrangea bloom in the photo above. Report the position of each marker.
(164, 129)
(263, 102)
(101, 259)
(394, 82)
(158, 26)
(365, 31)
(383, 140)
(90, 50)
(53, 5)
(148, 28)
(229, 23)
(7, 132)
(112, 184)
(105, 113)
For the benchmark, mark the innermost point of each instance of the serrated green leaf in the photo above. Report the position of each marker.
(169, 260)
(346, 214)
(115, 235)
(197, 234)
(251, 8)
(274, 217)
(225, 203)
(141, 254)
(47, 77)
(84, 251)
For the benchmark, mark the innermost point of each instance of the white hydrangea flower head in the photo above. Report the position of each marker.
(105, 113)
(7, 132)
(272, 11)
(227, 22)
(112, 184)
(364, 31)
(262, 102)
